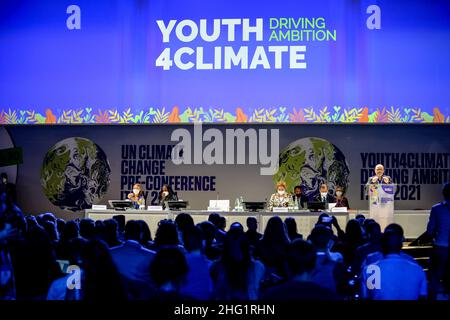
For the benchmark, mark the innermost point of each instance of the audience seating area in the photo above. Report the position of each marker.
(44, 257)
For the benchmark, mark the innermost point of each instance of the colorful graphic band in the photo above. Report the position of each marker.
(176, 114)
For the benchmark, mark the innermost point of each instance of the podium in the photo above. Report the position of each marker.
(381, 203)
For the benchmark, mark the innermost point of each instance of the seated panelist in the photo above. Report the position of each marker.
(166, 194)
(137, 196)
(281, 198)
(324, 196)
(341, 199)
(299, 198)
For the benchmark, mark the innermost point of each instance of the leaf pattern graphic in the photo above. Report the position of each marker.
(127, 116)
(325, 114)
(258, 115)
(381, 115)
(394, 115)
(438, 117)
(297, 116)
(161, 116)
(114, 116)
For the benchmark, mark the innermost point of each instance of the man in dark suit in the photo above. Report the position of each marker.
(439, 229)
(299, 198)
(324, 196)
(133, 260)
(379, 177)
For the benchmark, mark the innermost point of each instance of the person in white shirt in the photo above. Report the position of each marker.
(393, 277)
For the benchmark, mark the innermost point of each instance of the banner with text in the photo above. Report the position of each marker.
(67, 169)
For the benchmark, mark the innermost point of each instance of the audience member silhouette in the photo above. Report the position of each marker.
(146, 235)
(120, 218)
(111, 233)
(100, 277)
(52, 232)
(252, 234)
(133, 260)
(373, 237)
(169, 270)
(99, 229)
(351, 241)
(71, 231)
(375, 256)
(301, 258)
(439, 229)
(35, 266)
(59, 289)
(236, 275)
(198, 282)
(329, 271)
(393, 277)
(223, 223)
(60, 225)
(212, 249)
(87, 229)
(214, 218)
(271, 249)
(291, 227)
(166, 235)
(184, 223)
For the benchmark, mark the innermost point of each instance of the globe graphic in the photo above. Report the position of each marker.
(309, 162)
(75, 174)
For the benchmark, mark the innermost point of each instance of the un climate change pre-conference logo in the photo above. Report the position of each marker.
(75, 174)
(311, 161)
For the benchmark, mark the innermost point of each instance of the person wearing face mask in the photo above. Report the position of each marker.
(341, 200)
(324, 196)
(281, 198)
(299, 198)
(166, 194)
(137, 196)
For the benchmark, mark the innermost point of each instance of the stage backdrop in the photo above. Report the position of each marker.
(68, 168)
(156, 61)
